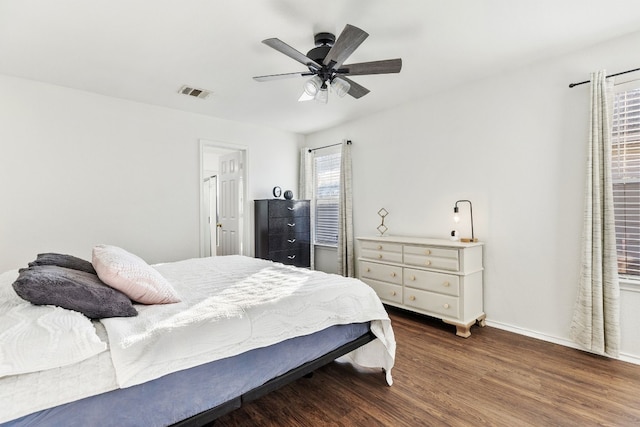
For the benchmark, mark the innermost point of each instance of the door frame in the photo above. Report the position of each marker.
(247, 235)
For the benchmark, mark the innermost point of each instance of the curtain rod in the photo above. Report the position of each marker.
(612, 75)
(311, 150)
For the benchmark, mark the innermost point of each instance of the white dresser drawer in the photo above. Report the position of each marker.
(431, 251)
(445, 305)
(448, 284)
(386, 291)
(377, 255)
(383, 272)
(381, 246)
(429, 261)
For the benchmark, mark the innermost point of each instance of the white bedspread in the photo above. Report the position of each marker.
(233, 304)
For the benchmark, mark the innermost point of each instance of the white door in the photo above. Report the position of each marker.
(213, 215)
(210, 203)
(230, 200)
(206, 202)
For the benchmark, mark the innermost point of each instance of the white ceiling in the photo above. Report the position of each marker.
(145, 50)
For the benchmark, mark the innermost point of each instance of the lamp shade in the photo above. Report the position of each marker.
(322, 95)
(340, 86)
(313, 85)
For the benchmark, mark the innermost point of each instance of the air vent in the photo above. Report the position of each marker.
(196, 93)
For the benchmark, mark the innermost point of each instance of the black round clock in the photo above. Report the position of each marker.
(277, 192)
(288, 194)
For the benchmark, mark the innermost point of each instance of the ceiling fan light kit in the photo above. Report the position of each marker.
(325, 65)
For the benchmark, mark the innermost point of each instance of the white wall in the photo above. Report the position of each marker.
(77, 169)
(515, 145)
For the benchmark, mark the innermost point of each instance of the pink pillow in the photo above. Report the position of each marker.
(132, 276)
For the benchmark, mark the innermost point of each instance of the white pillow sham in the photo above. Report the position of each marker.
(39, 337)
(132, 276)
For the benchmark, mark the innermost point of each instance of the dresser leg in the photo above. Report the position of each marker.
(462, 330)
(482, 321)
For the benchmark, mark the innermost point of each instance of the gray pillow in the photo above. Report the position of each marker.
(63, 260)
(73, 290)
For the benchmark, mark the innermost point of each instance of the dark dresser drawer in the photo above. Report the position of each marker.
(299, 258)
(288, 225)
(289, 208)
(279, 242)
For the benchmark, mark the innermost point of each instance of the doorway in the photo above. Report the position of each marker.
(223, 189)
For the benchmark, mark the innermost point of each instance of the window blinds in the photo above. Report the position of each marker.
(327, 193)
(625, 161)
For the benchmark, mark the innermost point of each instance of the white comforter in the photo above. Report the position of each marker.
(233, 304)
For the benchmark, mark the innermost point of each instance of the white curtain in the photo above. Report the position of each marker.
(596, 319)
(345, 215)
(305, 185)
(305, 192)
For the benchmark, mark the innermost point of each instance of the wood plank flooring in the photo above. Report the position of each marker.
(493, 378)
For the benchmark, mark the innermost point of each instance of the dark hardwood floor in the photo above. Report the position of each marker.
(494, 378)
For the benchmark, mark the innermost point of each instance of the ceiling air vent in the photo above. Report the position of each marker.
(197, 93)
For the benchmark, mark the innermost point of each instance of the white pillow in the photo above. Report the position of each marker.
(39, 337)
(132, 276)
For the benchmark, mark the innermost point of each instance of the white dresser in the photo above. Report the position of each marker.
(436, 277)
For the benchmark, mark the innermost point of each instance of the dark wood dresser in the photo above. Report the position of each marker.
(282, 231)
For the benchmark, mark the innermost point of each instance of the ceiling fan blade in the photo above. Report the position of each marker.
(356, 90)
(385, 66)
(280, 76)
(348, 41)
(282, 47)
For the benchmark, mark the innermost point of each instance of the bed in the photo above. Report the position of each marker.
(243, 327)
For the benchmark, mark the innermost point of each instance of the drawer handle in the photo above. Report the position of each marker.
(393, 274)
(427, 252)
(413, 278)
(446, 284)
(393, 293)
(290, 208)
(427, 262)
(412, 298)
(291, 256)
(291, 240)
(446, 306)
(368, 269)
(379, 247)
(291, 225)
(379, 256)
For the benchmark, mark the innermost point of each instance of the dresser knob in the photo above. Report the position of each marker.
(427, 263)
(291, 256)
(393, 274)
(291, 240)
(413, 278)
(412, 298)
(427, 252)
(290, 208)
(379, 256)
(379, 247)
(291, 225)
(393, 293)
(368, 269)
(445, 284)
(446, 306)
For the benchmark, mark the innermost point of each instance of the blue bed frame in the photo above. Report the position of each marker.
(199, 395)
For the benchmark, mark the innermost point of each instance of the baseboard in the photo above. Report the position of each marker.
(630, 358)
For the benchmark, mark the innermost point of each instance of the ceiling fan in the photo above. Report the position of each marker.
(326, 64)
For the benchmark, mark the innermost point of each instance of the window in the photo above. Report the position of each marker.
(625, 159)
(326, 193)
